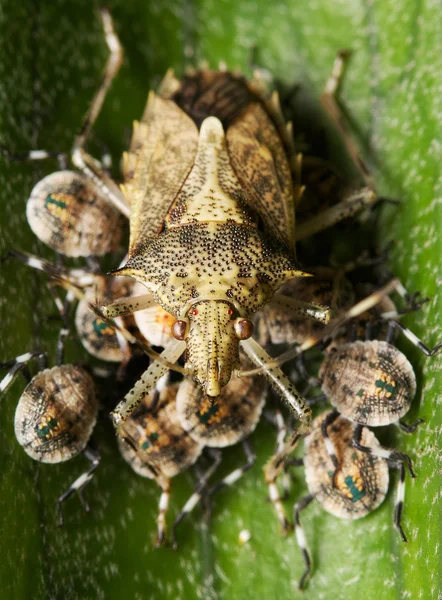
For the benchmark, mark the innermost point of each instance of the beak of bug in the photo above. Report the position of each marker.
(213, 335)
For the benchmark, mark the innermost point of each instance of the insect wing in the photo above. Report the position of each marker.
(260, 162)
(165, 143)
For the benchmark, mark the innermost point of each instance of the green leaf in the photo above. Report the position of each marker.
(51, 57)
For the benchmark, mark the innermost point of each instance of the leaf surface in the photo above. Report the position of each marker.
(51, 57)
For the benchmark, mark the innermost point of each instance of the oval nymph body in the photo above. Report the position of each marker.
(361, 481)
(370, 382)
(67, 214)
(56, 414)
(96, 335)
(153, 441)
(230, 419)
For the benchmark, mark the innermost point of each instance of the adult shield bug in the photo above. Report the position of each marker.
(211, 181)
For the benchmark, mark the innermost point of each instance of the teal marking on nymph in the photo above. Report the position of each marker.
(147, 443)
(101, 328)
(45, 431)
(205, 417)
(55, 201)
(356, 494)
(387, 387)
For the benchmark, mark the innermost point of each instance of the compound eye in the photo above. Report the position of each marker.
(179, 330)
(243, 329)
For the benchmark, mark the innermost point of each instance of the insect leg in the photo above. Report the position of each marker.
(280, 440)
(279, 382)
(302, 309)
(126, 306)
(266, 363)
(329, 446)
(392, 456)
(414, 339)
(36, 155)
(330, 101)
(396, 460)
(348, 207)
(277, 420)
(163, 507)
(80, 158)
(273, 469)
(398, 509)
(64, 309)
(297, 404)
(197, 495)
(300, 537)
(80, 483)
(409, 428)
(147, 382)
(16, 365)
(77, 277)
(233, 477)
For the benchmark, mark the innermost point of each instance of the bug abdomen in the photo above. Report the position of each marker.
(56, 414)
(370, 382)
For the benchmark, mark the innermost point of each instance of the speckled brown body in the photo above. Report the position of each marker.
(209, 182)
(370, 382)
(157, 446)
(361, 481)
(66, 213)
(231, 419)
(56, 414)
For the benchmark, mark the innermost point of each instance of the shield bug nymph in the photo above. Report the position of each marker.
(361, 484)
(55, 417)
(169, 431)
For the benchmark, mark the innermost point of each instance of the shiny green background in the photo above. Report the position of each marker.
(51, 57)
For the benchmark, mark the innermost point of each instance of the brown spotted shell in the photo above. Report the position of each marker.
(153, 441)
(227, 420)
(66, 213)
(362, 479)
(56, 414)
(96, 335)
(371, 382)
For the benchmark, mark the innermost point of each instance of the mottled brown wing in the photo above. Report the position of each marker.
(162, 153)
(259, 159)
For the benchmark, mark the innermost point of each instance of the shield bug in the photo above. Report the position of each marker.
(211, 179)
(370, 382)
(361, 484)
(55, 417)
(169, 431)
